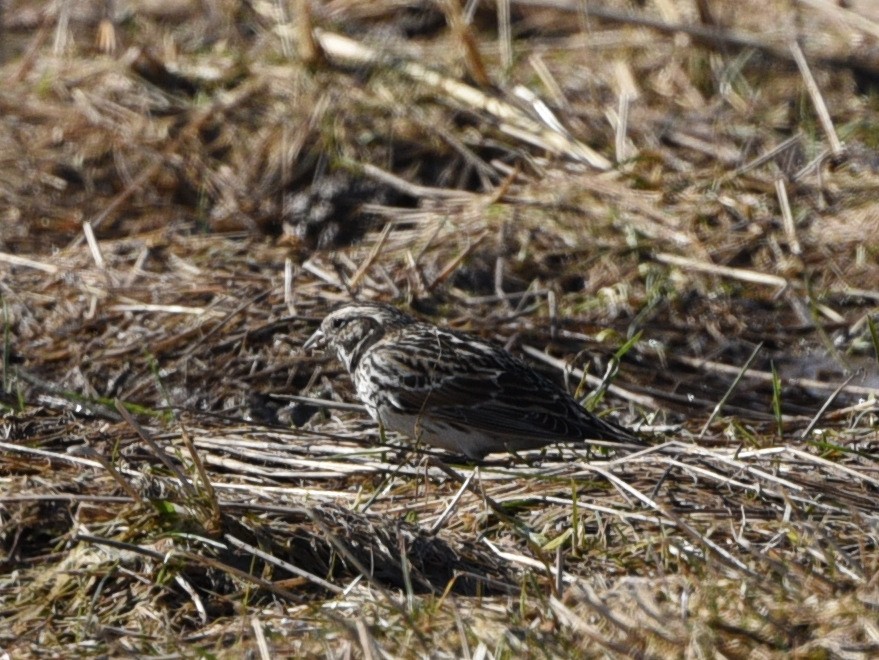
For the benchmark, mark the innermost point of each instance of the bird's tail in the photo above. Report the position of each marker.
(616, 435)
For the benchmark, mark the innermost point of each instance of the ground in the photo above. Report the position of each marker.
(668, 206)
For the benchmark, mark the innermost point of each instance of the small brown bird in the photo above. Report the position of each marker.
(453, 390)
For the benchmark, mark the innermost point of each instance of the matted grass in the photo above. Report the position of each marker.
(673, 210)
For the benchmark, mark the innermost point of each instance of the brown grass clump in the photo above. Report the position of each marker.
(672, 207)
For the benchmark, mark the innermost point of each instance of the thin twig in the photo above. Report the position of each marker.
(158, 452)
(592, 381)
(16, 260)
(722, 271)
(117, 476)
(731, 388)
(817, 99)
(827, 403)
(94, 247)
(373, 254)
(790, 229)
(765, 376)
(280, 563)
(438, 525)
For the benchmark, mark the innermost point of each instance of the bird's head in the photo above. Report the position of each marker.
(352, 328)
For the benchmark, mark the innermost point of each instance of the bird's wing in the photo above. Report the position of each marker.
(468, 382)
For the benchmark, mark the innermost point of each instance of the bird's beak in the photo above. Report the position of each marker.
(317, 340)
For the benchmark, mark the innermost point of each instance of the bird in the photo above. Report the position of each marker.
(453, 390)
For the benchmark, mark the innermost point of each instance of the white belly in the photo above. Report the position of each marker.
(452, 438)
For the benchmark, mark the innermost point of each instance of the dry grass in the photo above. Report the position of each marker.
(181, 202)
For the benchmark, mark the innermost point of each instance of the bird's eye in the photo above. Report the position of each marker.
(338, 323)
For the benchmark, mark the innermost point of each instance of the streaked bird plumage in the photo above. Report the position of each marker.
(450, 389)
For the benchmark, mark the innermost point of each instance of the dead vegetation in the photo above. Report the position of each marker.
(673, 203)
